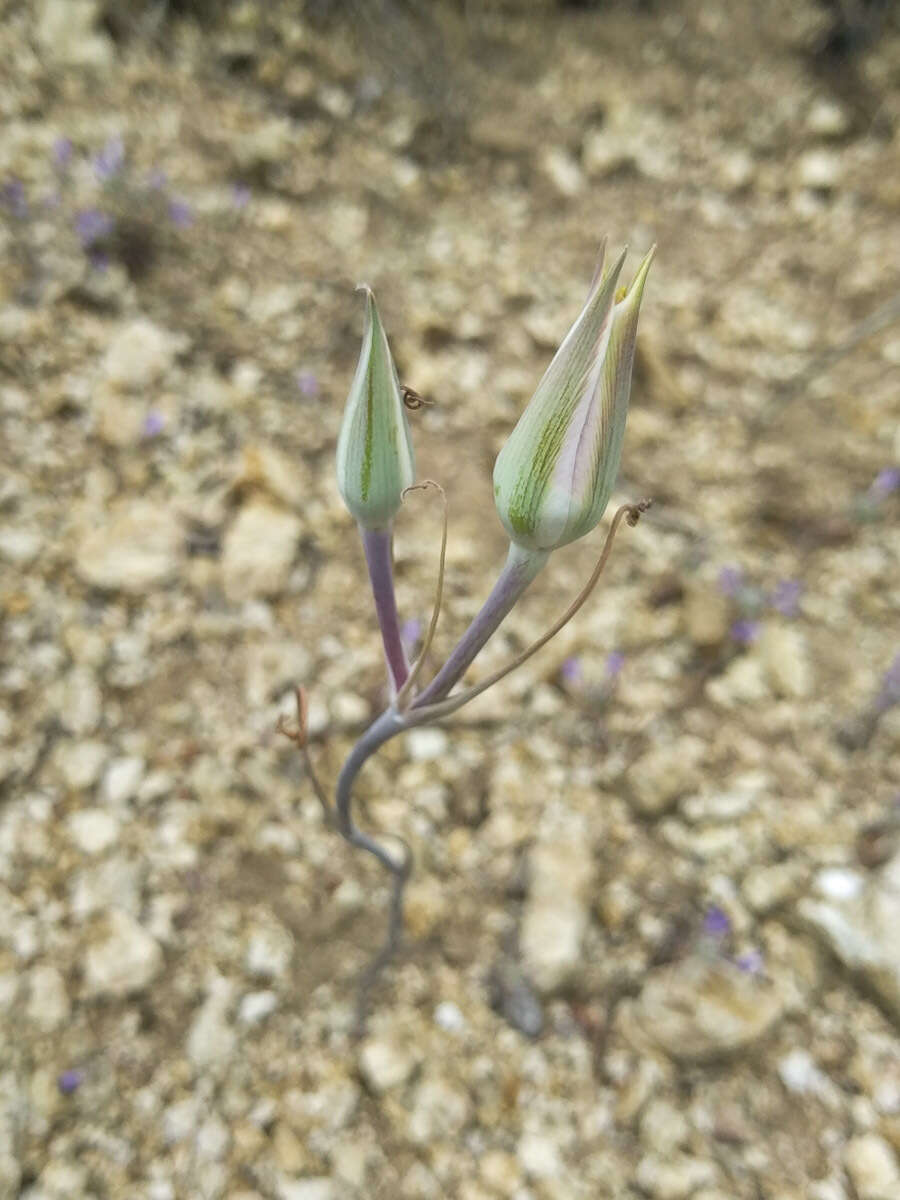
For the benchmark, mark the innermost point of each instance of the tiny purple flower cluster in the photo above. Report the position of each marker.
(307, 383)
(785, 599)
(716, 923)
(92, 226)
(717, 930)
(886, 482)
(12, 198)
(110, 160)
(115, 191)
(70, 1081)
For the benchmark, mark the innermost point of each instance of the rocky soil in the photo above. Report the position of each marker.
(652, 944)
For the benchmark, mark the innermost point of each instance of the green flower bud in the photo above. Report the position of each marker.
(374, 451)
(554, 476)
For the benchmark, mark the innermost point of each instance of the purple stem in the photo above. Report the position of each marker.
(377, 547)
(520, 569)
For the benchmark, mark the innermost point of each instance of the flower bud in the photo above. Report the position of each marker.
(554, 476)
(374, 451)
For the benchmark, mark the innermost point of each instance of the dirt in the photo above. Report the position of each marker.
(465, 161)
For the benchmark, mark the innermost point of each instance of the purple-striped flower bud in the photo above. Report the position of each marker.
(374, 451)
(554, 476)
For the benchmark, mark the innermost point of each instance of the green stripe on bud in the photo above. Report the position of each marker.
(554, 476)
(374, 452)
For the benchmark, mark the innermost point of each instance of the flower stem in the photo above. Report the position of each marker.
(377, 547)
(385, 727)
(520, 569)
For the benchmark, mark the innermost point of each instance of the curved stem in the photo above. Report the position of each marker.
(382, 730)
(520, 569)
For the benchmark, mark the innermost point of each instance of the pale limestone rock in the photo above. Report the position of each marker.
(556, 912)
(820, 170)
(270, 668)
(137, 547)
(211, 1038)
(93, 830)
(766, 887)
(603, 153)
(785, 660)
(858, 922)
(425, 745)
(270, 950)
(872, 1166)
(48, 999)
(69, 33)
(699, 1011)
(125, 959)
(563, 171)
(113, 882)
(122, 780)
(118, 418)
(743, 682)
(139, 355)
(18, 546)
(663, 1127)
(664, 773)
(266, 467)
(79, 763)
(78, 701)
(265, 145)
(539, 1155)
(256, 1006)
(387, 1062)
(318, 1188)
(827, 119)
(800, 1075)
(258, 552)
(707, 614)
(673, 1177)
(439, 1110)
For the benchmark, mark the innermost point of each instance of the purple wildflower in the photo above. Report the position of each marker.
(716, 923)
(751, 963)
(886, 482)
(745, 631)
(70, 1081)
(614, 664)
(307, 383)
(571, 671)
(731, 580)
(12, 196)
(109, 162)
(62, 153)
(154, 424)
(240, 196)
(180, 214)
(786, 597)
(92, 226)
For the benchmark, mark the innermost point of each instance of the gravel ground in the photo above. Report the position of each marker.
(651, 945)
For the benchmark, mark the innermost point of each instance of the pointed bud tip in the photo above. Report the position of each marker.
(636, 287)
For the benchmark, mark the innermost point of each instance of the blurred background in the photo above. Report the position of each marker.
(652, 942)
